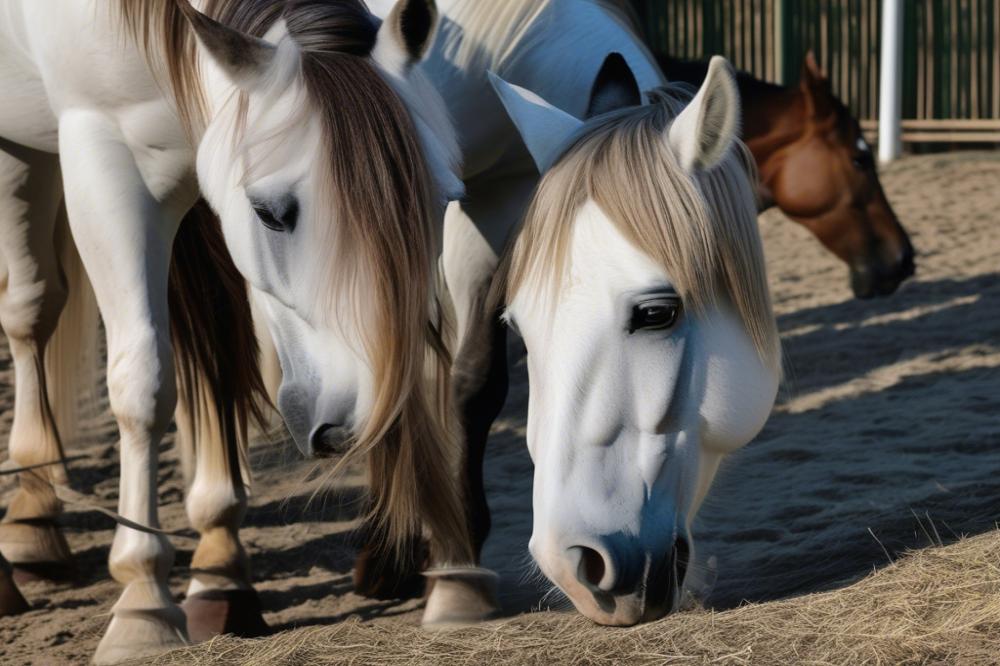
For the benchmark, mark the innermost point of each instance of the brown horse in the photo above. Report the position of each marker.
(816, 166)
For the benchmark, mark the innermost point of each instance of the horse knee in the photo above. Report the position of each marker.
(32, 302)
(141, 385)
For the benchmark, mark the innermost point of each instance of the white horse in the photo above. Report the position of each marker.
(638, 285)
(557, 48)
(329, 160)
(630, 424)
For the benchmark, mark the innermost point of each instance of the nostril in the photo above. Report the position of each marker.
(592, 567)
(329, 440)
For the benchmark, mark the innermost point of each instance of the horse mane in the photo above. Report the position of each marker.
(383, 238)
(701, 229)
(494, 30)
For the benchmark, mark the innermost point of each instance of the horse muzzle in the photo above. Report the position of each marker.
(328, 441)
(617, 586)
(874, 278)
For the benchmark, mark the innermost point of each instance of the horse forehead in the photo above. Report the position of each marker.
(602, 258)
(278, 135)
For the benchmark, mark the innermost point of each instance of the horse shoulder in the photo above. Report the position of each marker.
(107, 74)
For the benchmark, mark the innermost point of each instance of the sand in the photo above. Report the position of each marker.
(885, 439)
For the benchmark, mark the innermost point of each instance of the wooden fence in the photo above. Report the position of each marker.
(951, 53)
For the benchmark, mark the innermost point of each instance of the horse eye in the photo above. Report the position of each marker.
(268, 219)
(277, 213)
(862, 160)
(655, 315)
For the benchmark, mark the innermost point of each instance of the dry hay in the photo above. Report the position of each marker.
(939, 605)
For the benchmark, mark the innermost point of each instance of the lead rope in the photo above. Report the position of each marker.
(77, 500)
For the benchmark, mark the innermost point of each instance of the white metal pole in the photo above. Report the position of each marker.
(890, 106)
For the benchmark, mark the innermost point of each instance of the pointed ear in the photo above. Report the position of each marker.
(614, 88)
(811, 71)
(815, 88)
(243, 58)
(543, 127)
(702, 133)
(406, 34)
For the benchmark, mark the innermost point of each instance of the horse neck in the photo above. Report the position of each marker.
(575, 28)
(773, 117)
(556, 58)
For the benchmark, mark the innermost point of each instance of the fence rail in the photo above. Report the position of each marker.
(951, 53)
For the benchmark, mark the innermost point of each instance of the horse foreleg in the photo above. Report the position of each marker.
(32, 296)
(220, 598)
(124, 233)
(475, 233)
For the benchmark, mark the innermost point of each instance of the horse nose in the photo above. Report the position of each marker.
(889, 276)
(329, 440)
(596, 569)
(659, 575)
(882, 279)
(593, 567)
(607, 567)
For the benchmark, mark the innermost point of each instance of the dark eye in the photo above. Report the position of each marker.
(655, 315)
(862, 161)
(277, 214)
(268, 219)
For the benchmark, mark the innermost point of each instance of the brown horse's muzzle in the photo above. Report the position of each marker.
(881, 277)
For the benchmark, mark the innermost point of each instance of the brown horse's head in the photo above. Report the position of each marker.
(826, 180)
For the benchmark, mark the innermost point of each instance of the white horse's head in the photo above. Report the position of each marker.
(329, 161)
(638, 285)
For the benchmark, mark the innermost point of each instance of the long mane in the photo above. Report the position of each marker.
(701, 229)
(383, 237)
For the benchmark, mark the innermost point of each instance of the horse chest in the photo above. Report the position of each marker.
(47, 70)
(25, 115)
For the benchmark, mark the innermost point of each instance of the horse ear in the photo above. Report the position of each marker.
(614, 88)
(543, 127)
(406, 34)
(815, 87)
(244, 59)
(703, 132)
(811, 71)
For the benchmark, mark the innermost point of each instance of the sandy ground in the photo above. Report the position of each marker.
(885, 438)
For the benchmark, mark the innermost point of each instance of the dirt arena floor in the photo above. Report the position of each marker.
(886, 438)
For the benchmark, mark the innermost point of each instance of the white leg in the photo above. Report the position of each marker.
(475, 232)
(124, 233)
(32, 296)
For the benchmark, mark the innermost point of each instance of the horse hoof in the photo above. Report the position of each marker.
(140, 635)
(460, 597)
(11, 601)
(378, 576)
(215, 612)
